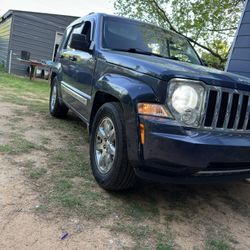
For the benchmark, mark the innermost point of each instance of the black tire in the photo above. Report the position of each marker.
(57, 108)
(121, 176)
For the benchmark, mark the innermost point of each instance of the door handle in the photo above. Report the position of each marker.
(72, 58)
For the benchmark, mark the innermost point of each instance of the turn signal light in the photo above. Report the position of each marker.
(142, 132)
(153, 109)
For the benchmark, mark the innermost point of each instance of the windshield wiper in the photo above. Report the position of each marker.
(139, 51)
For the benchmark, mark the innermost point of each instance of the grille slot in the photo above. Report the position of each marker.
(227, 109)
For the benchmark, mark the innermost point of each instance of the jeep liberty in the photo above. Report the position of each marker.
(153, 109)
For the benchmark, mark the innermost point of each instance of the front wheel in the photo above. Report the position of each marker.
(108, 149)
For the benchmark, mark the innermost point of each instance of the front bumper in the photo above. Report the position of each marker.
(181, 153)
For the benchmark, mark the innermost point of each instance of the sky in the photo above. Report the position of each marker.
(64, 7)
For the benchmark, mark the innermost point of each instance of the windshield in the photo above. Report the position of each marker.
(133, 36)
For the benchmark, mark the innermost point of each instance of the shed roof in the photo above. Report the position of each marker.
(10, 13)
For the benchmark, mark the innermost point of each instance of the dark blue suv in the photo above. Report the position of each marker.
(152, 108)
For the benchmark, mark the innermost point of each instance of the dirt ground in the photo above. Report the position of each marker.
(179, 217)
(21, 227)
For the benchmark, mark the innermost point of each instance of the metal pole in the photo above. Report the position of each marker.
(10, 61)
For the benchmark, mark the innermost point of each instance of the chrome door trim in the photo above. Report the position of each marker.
(83, 97)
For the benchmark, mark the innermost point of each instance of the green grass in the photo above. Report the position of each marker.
(37, 173)
(217, 244)
(140, 211)
(146, 236)
(63, 185)
(164, 245)
(70, 200)
(73, 163)
(45, 140)
(219, 239)
(20, 90)
(66, 185)
(18, 145)
(42, 209)
(22, 86)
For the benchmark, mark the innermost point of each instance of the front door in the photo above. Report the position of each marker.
(78, 69)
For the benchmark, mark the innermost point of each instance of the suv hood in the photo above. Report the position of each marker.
(166, 69)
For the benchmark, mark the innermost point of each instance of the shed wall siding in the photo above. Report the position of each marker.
(5, 29)
(35, 33)
(239, 61)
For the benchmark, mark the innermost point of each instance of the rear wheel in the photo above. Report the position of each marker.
(56, 108)
(108, 149)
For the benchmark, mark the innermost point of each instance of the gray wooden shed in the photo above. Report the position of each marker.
(37, 33)
(239, 58)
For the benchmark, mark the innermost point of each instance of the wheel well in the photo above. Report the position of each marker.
(100, 99)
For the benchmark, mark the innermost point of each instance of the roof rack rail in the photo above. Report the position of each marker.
(91, 13)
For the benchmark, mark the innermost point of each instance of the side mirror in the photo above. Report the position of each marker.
(79, 42)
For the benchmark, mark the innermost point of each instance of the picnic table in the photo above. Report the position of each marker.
(33, 65)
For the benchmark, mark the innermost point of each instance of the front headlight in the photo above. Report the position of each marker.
(186, 100)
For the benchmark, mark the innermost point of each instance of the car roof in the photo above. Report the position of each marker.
(99, 15)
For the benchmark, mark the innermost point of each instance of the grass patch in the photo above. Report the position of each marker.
(34, 106)
(145, 236)
(43, 209)
(19, 145)
(45, 140)
(217, 244)
(73, 163)
(139, 211)
(164, 246)
(22, 85)
(63, 186)
(16, 119)
(18, 91)
(219, 239)
(37, 173)
(70, 200)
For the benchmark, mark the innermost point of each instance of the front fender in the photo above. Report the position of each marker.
(129, 92)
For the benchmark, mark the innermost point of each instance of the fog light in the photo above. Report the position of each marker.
(189, 117)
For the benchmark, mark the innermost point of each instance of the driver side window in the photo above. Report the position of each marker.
(84, 29)
(76, 30)
(87, 30)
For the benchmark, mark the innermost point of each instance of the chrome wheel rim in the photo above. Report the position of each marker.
(53, 98)
(105, 145)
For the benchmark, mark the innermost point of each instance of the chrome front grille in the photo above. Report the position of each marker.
(227, 109)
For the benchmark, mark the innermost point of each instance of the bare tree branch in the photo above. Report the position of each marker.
(165, 17)
(221, 30)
